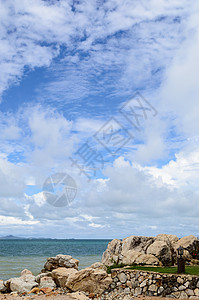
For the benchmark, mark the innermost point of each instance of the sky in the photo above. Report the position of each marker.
(104, 94)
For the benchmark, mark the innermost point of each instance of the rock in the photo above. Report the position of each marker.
(35, 290)
(160, 290)
(127, 290)
(180, 280)
(153, 288)
(183, 295)
(143, 283)
(113, 250)
(46, 290)
(122, 277)
(60, 260)
(78, 296)
(181, 288)
(188, 242)
(2, 287)
(138, 291)
(169, 238)
(136, 243)
(89, 280)
(26, 272)
(190, 292)
(148, 259)
(98, 265)
(196, 292)
(61, 275)
(47, 282)
(133, 257)
(38, 277)
(161, 249)
(23, 284)
(130, 257)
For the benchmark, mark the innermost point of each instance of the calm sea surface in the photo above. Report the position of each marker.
(16, 255)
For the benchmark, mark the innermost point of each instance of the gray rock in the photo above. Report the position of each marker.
(180, 280)
(181, 288)
(153, 288)
(122, 277)
(143, 283)
(190, 292)
(196, 292)
(160, 290)
(38, 277)
(23, 284)
(138, 291)
(127, 290)
(183, 295)
(60, 260)
(47, 282)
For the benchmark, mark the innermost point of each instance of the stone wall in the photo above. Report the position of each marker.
(154, 284)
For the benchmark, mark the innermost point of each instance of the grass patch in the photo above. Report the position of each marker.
(115, 266)
(191, 270)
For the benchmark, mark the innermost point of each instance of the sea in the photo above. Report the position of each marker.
(31, 254)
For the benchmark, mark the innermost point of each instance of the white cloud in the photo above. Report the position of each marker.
(181, 173)
(94, 225)
(38, 198)
(31, 36)
(4, 220)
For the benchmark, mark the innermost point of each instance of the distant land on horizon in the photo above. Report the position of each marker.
(12, 237)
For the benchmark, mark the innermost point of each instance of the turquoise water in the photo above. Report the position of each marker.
(16, 255)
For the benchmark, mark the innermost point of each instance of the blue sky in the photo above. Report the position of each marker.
(67, 70)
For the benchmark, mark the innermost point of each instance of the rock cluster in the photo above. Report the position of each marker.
(156, 251)
(60, 272)
(137, 283)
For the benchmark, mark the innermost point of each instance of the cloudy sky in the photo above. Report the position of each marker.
(105, 91)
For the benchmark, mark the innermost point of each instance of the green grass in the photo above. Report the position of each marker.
(192, 270)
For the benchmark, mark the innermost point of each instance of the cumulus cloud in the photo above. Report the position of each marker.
(92, 52)
(31, 36)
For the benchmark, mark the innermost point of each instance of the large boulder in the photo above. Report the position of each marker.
(89, 280)
(136, 243)
(60, 260)
(60, 275)
(111, 255)
(133, 257)
(162, 250)
(190, 243)
(23, 284)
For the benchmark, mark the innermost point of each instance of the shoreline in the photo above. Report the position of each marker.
(60, 277)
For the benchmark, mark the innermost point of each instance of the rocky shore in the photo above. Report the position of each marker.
(61, 279)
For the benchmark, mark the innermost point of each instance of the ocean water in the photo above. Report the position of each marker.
(16, 255)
